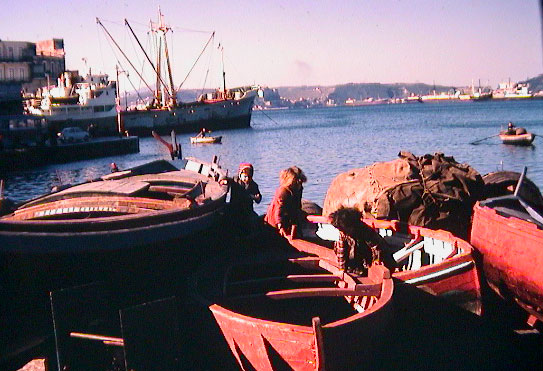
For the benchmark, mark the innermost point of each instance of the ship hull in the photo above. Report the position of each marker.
(222, 115)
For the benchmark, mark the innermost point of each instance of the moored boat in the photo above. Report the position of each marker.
(85, 102)
(82, 231)
(221, 109)
(433, 260)
(300, 313)
(508, 232)
(197, 140)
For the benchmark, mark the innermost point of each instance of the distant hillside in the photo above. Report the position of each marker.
(358, 91)
(535, 83)
(305, 92)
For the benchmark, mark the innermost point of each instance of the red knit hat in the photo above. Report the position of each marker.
(247, 168)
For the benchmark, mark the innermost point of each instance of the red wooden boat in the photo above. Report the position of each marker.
(509, 234)
(433, 260)
(299, 313)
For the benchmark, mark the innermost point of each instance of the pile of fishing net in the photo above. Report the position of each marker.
(431, 191)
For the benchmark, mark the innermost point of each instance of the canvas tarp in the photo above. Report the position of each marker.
(431, 191)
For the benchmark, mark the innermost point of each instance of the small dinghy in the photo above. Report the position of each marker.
(518, 139)
(205, 140)
(516, 136)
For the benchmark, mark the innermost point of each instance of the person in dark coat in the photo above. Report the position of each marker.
(285, 209)
(244, 192)
(244, 189)
(359, 245)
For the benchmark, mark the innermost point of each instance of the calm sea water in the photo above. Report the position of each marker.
(327, 141)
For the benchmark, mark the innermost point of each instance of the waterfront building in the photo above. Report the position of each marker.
(25, 66)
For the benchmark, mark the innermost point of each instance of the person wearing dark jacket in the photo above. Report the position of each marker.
(244, 189)
(244, 192)
(285, 209)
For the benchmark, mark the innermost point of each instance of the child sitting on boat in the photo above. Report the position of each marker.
(285, 209)
(359, 246)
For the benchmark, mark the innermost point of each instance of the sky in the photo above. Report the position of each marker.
(298, 42)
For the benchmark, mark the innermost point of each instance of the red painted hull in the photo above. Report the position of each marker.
(274, 340)
(512, 251)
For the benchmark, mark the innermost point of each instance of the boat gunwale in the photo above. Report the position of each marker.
(105, 224)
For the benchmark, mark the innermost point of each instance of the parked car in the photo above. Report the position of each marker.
(73, 134)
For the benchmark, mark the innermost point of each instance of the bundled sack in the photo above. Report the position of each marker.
(431, 191)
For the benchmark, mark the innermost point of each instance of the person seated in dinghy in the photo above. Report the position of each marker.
(359, 246)
(511, 129)
(244, 192)
(202, 133)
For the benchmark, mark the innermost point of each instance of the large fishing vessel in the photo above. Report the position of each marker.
(227, 111)
(88, 102)
(221, 109)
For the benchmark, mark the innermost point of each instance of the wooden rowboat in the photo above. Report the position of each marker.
(299, 314)
(205, 140)
(112, 224)
(508, 232)
(517, 139)
(145, 205)
(135, 228)
(433, 260)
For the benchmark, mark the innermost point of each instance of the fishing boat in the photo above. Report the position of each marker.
(517, 139)
(300, 313)
(118, 222)
(198, 140)
(83, 101)
(221, 109)
(433, 260)
(508, 232)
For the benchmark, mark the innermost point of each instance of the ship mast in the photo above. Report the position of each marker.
(223, 73)
(163, 29)
(159, 85)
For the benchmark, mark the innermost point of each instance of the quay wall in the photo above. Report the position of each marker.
(11, 160)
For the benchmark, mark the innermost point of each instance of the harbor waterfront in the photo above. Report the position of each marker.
(325, 142)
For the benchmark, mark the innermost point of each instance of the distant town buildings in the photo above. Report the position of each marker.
(373, 93)
(26, 66)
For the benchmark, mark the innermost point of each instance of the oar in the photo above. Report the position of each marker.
(480, 140)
